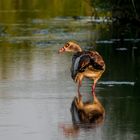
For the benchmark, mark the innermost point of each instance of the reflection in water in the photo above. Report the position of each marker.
(86, 112)
(87, 115)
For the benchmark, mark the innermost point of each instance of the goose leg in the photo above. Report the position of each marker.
(79, 85)
(93, 87)
(78, 80)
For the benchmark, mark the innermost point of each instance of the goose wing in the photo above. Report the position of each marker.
(84, 62)
(80, 62)
(96, 60)
(92, 61)
(88, 59)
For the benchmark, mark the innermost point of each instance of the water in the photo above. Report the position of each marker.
(36, 90)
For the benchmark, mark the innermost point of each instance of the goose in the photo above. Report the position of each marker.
(88, 64)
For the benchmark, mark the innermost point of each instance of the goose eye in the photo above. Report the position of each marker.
(67, 44)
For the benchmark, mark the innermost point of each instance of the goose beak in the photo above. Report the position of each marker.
(61, 50)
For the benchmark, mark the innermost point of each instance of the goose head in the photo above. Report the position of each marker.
(70, 47)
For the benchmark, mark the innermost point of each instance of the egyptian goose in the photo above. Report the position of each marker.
(88, 64)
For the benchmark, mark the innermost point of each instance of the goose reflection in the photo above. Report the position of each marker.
(84, 115)
(87, 112)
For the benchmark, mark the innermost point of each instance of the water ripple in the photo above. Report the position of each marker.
(117, 83)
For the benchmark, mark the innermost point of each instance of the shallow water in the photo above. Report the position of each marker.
(36, 89)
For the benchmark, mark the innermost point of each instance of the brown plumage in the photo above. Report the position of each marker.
(88, 64)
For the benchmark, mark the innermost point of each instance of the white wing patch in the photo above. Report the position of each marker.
(77, 63)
